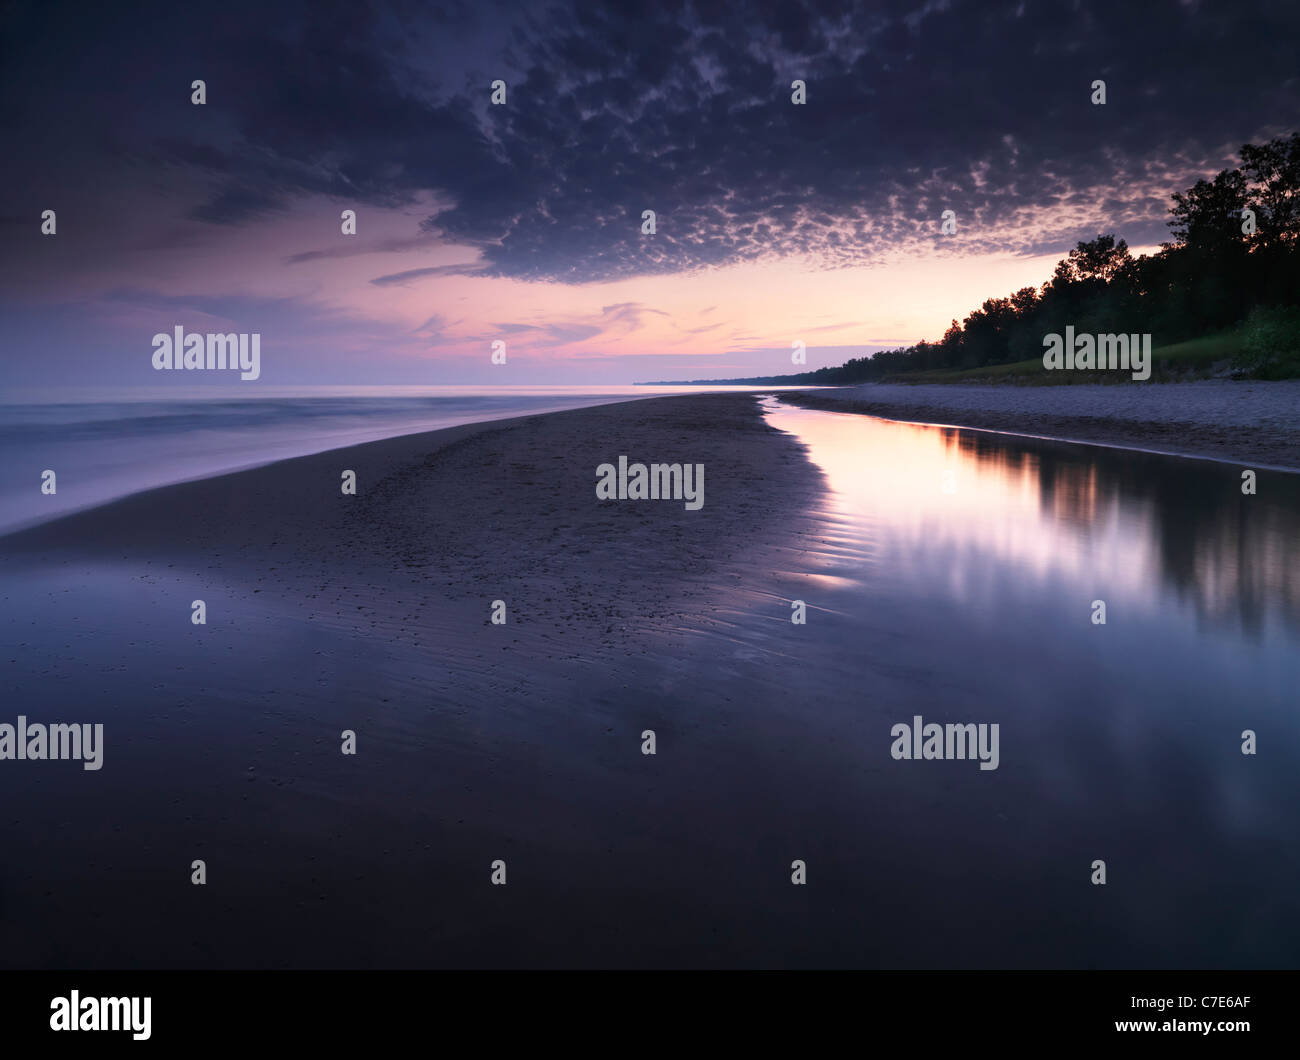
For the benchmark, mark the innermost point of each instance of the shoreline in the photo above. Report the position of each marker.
(440, 514)
(372, 614)
(714, 428)
(1150, 419)
(524, 742)
(1036, 413)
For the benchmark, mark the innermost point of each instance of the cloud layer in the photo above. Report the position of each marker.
(685, 109)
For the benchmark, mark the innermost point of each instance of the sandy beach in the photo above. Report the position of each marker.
(522, 743)
(371, 613)
(1226, 420)
(445, 508)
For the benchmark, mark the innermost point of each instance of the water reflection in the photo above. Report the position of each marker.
(1132, 528)
(964, 569)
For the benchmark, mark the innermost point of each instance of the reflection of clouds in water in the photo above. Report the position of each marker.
(940, 503)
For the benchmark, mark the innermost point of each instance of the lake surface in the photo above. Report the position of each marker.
(961, 572)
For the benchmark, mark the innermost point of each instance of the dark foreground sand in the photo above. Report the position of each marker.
(487, 511)
(476, 742)
(1252, 422)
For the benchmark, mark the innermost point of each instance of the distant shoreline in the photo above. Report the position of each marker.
(1254, 423)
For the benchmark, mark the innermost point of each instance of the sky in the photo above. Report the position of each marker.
(521, 222)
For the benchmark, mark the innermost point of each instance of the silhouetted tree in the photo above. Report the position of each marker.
(1210, 276)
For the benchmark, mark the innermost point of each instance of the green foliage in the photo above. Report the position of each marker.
(1271, 346)
(1200, 356)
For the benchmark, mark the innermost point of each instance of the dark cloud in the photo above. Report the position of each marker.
(352, 250)
(236, 204)
(622, 318)
(681, 108)
(398, 278)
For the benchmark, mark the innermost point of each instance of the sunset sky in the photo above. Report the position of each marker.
(522, 222)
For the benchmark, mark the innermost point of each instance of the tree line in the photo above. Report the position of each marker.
(1234, 257)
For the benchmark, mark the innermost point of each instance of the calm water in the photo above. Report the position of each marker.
(960, 576)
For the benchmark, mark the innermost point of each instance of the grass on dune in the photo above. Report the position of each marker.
(1193, 357)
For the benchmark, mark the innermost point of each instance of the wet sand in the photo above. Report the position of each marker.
(475, 742)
